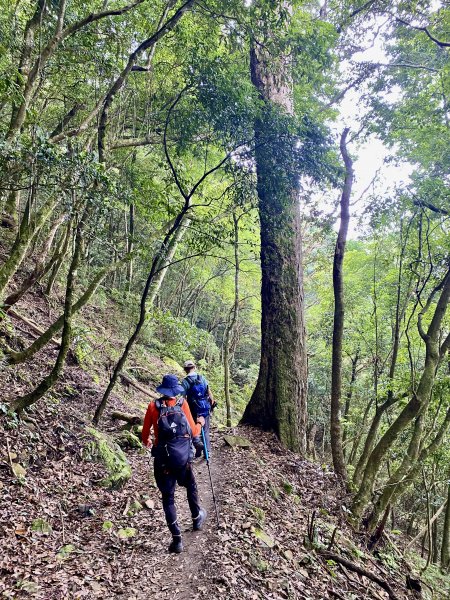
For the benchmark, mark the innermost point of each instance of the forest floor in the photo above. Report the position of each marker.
(62, 535)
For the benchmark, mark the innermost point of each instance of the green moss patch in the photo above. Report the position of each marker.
(103, 449)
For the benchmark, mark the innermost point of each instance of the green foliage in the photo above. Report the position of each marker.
(177, 338)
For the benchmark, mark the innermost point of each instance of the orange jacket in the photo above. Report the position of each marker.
(152, 416)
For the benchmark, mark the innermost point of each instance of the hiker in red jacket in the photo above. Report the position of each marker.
(174, 432)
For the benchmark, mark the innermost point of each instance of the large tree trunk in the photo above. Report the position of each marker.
(338, 322)
(279, 400)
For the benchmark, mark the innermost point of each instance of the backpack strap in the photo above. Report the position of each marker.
(160, 403)
(191, 382)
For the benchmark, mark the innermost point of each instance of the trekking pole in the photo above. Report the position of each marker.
(210, 478)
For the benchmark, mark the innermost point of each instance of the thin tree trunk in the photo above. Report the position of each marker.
(46, 384)
(27, 50)
(39, 270)
(119, 82)
(424, 529)
(279, 400)
(445, 547)
(158, 260)
(130, 244)
(232, 322)
(429, 523)
(168, 257)
(420, 398)
(14, 358)
(33, 81)
(29, 227)
(410, 458)
(338, 323)
(402, 479)
(390, 399)
(59, 259)
(348, 399)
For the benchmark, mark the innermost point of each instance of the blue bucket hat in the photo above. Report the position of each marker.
(170, 386)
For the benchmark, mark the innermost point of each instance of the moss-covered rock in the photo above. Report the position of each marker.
(237, 441)
(127, 439)
(105, 450)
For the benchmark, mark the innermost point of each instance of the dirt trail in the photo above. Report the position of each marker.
(265, 494)
(183, 576)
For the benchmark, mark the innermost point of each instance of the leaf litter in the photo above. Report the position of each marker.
(91, 542)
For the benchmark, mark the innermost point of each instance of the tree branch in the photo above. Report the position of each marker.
(440, 43)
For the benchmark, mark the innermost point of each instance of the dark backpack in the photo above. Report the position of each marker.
(174, 435)
(197, 396)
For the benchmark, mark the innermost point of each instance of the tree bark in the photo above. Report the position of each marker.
(279, 400)
(338, 323)
(40, 267)
(445, 547)
(28, 228)
(232, 321)
(48, 382)
(14, 358)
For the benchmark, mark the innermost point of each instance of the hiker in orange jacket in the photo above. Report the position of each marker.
(174, 429)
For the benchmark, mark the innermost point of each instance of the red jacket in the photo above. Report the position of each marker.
(152, 416)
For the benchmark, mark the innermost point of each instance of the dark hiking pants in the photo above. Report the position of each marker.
(166, 480)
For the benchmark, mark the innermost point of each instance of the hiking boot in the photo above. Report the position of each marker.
(176, 545)
(198, 521)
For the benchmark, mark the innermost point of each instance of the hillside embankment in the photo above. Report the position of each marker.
(81, 517)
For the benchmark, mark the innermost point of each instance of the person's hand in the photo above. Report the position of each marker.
(201, 420)
(149, 443)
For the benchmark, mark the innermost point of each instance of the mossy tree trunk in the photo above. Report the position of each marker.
(279, 400)
(410, 468)
(40, 268)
